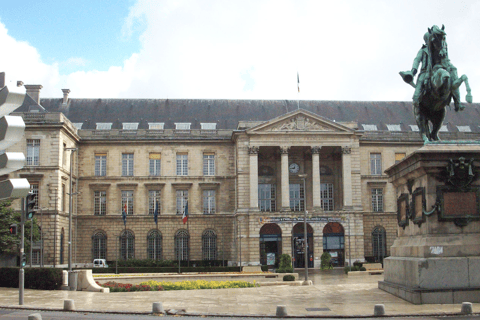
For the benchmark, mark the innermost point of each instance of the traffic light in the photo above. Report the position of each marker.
(11, 132)
(30, 205)
(23, 260)
(13, 229)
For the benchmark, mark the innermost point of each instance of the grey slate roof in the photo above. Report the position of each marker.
(227, 113)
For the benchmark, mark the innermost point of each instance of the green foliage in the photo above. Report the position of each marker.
(9, 243)
(121, 287)
(285, 264)
(111, 269)
(35, 278)
(358, 264)
(363, 269)
(326, 261)
(347, 269)
(289, 277)
(198, 284)
(264, 268)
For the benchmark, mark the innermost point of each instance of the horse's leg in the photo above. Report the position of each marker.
(421, 123)
(437, 121)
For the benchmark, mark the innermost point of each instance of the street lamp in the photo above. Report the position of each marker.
(240, 239)
(305, 242)
(70, 207)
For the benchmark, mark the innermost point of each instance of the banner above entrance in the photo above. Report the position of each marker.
(264, 220)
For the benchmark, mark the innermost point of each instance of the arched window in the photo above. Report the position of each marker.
(182, 245)
(99, 245)
(379, 243)
(154, 241)
(127, 245)
(209, 245)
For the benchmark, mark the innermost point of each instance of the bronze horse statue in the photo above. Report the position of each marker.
(437, 84)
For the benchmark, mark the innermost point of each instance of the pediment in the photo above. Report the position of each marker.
(300, 121)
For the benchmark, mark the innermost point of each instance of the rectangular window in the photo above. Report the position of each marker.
(64, 198)
(100, 164)
(375, 163)
(297, 197)
(208, 164)
(130, 125)
(127, 199)
(208, 126)
(34, 190)
(326, 196)
(33, 152)
(182, 164)
(154, 164)
(267, 197)
(104, 125)
(155, 125)
(399, 157)
(182, 198)
(127, 164)
(377, 200)
(208, 201)
(182, 125)
(100, 203)
(153, 197)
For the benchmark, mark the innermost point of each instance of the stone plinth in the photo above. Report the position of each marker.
(436, 257)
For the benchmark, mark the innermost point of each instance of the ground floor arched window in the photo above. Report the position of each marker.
(154, 245)
(270, 244)
(298, 245)
(99, 245)
(209, 245)
(127, 245)
(182, 239)
(334, 243)
(379, 243)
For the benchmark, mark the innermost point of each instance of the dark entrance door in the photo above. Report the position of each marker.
(270, 244)
(334, 243)
(298, 245)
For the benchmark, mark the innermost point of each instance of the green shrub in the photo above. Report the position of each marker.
(363, 269)
(289, 277)
(347, 269)
(285, 264)
(264, 268)
(326, 261)
(358, 264)
(198, 284)
(35, 278)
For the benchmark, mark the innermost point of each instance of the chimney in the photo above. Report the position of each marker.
(33, 90)
(65, 95)
(2, 79)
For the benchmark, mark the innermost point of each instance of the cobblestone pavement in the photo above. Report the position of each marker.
(333, 294)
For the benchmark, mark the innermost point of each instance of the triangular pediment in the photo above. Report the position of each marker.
(300, 121)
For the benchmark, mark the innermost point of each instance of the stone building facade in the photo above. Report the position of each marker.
(245, 171)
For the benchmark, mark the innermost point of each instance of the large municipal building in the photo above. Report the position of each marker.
(246, 171)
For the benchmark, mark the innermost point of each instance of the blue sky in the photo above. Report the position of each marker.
(235, 49)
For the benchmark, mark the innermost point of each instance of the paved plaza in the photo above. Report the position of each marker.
(333, 294)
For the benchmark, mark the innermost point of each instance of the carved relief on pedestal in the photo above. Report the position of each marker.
(253, 149)
(299, 123)
(284, 149)
(347, 150)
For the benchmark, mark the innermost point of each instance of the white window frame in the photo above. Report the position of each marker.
(377, 199)
(104, 126)
(209, 202)
(154, 165)
(100, 165)
(33, 152)
(297, 197)
(156, 125)
(153, 196)
(182, 199)
(130, 125)
(208, 164)
(127, 164)
(326, 196)
(376, 163)
(182, 164)
(267, 197)
(127, 198)
(100, 203)
(182, 125)
(208, 126)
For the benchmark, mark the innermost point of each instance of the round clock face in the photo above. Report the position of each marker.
(294, 168)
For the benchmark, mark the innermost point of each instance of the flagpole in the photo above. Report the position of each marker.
(188, 253)
(298, 91)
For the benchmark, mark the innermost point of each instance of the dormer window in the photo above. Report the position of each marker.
(209, 126)
(130, 125)
(104, 125)
(414, 127)
(369, 127)
(156, 125)
(78, 125)
(464, 129)
(182, 125)
(443, 128)
(394, 127)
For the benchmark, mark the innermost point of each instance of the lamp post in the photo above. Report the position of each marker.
(240, 239)
(70, 207)
(305, 240)
(41, 236)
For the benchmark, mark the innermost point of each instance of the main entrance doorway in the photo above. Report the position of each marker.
(299, 247)
(334, 243)
(270, 244)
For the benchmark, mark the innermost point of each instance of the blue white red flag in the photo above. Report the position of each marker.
(185, 214)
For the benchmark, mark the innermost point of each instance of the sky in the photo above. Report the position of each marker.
(235, 49)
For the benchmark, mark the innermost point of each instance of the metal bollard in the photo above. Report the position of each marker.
(35, 316)
(281, 311)
(68, 305)
(157, 307)
(379, 310)
(466, 308)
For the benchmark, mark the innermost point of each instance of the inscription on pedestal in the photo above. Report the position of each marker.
(458, 204)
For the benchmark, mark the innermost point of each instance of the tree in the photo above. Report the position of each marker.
(9, 244)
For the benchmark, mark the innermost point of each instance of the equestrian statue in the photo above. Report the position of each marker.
(437, 83)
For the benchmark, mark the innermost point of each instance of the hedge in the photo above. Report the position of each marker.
(111, 269)
(35, 278)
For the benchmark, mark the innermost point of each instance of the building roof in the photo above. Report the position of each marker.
(228, 113)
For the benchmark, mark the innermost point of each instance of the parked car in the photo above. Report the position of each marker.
(100, 263)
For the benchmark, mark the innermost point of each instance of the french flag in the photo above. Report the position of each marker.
(185, 214)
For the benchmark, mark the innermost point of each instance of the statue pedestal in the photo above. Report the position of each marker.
(436, 257)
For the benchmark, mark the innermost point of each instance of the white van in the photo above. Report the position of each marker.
(100, 263)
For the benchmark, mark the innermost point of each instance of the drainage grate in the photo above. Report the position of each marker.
(317, 309)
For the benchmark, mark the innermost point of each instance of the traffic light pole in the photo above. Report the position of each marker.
(21, 279)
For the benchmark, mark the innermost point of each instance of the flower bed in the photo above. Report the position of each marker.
(182, 285)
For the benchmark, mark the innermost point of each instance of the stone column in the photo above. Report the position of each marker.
(253, 152)
(285, 179)
(347, 178)
(316, 178)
